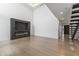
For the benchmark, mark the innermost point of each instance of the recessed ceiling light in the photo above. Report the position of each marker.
(61, 12)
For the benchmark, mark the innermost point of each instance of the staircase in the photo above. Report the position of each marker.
(74, 22)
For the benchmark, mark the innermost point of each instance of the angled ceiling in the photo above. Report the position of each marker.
(32, 5)
(60, 10)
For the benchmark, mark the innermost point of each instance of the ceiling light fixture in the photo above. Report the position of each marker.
(61, 12)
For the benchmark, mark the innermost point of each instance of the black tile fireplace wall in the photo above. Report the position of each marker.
(19, 28)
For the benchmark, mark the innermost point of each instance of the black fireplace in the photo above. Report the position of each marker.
(19, 28)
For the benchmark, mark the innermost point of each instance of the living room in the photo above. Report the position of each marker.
(38, 29)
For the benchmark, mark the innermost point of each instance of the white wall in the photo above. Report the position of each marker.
(8, 11)
(45, 22)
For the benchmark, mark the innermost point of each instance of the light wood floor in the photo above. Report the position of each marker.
(39, 46)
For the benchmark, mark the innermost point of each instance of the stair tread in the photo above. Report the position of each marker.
(74, 20)
(75, 11)
(74, 16)
(74, 30)
(75, 6)
(72, 27)
(73, 23)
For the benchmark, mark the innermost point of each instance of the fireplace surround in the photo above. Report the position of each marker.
(19, 28)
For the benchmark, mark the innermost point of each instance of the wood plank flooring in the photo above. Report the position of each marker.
(39, 46)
